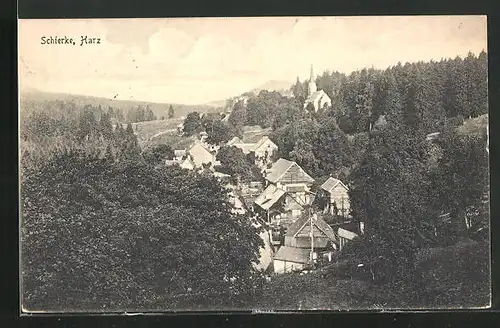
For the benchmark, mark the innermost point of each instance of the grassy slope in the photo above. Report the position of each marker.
(150, 133)
(452, 277)
(475, 125)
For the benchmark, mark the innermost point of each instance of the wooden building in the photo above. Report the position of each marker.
(287, 191)
(336, 196)
(300, 244)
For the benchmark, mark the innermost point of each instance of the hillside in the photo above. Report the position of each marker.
(159, 109)
(165, 132)
(476, 125)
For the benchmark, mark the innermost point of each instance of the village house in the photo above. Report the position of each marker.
(263, 150)
(286, 193)
(201, 155)
(317, 98)
(184, 163)
(234, 140)
(301, 244)
(195, 156)
(336, 196)
(249, 192)
(348, 231)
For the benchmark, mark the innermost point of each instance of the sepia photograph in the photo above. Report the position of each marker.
(259, 164)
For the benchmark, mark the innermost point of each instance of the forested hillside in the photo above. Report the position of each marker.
(121, 107)
(107, 226)
(427, 97)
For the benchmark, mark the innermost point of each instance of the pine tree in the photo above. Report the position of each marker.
(87, 124)
(105, 126)
(171, 112)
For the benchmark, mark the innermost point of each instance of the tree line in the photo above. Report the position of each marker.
(96, 207)
(410, 192)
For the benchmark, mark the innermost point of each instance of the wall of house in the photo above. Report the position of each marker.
(301, 242)
(283, 266)
(340, 197)
(294, 175)
(342, 242)
(293, 202)
(187, 165)
(268, 147)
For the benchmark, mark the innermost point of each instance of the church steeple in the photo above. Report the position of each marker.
(312, 84)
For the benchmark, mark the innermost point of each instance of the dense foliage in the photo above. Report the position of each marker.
(374, 138)
(103, 235)
(240, 166)
(192, 124)
(140, 114)
(105, 226)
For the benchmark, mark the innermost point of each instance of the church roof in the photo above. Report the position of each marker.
(316, 95)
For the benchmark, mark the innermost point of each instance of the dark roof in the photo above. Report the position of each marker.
(350, 226)
(301, 222)
(346, 234)
(293, 254)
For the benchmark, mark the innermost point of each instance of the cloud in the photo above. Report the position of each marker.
(200, 60)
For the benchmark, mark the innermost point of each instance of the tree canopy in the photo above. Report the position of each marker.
(99, 230)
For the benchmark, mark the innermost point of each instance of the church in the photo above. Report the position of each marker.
(318, 98)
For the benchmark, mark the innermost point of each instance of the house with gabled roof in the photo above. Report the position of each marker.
(263, 150)
(200, 154)
(336, 196)
(184, 162)
(286, 193)
(299, 233)
(300, 244)
(234, 140)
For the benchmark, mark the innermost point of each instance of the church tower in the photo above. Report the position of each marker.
(312, 84)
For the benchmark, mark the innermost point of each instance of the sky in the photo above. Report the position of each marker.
(199, 60)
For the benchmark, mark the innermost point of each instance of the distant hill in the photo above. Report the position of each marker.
(274, 85)
(217, 103)
(159, 109)
(282, 87)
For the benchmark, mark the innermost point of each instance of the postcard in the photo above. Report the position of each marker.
(258, 164)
